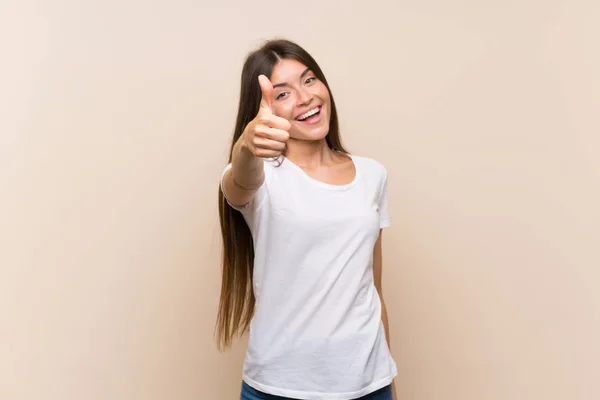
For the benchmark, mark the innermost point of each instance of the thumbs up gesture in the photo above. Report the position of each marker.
(267, 134)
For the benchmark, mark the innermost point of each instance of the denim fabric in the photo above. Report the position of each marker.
(249, 393)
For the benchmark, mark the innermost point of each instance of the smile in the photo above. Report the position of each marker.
(309, 113)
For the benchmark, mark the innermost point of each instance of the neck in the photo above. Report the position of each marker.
(309, 153)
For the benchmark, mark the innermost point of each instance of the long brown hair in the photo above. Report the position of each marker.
(236, 305)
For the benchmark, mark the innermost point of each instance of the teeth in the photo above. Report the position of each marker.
(309, 113)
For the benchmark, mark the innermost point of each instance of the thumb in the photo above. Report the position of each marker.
(266, 87)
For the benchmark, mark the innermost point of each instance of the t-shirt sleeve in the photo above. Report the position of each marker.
(385, 219)
(256, 200)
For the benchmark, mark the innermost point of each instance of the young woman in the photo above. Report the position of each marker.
(301, 221)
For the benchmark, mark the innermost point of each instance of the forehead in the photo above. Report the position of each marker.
(287, 70)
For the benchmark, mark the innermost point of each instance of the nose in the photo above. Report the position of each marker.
(304, 97)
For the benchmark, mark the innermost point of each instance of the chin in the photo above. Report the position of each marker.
(312, 136)
(316, 133)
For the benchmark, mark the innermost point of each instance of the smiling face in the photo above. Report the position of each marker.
(301, 98)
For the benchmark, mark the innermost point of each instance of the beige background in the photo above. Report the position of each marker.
(115, 118)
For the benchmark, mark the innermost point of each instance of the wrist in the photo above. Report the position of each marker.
(242, 143)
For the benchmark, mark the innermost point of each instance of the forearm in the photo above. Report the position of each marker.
(386, 327)
(247, 169)
(377, 277)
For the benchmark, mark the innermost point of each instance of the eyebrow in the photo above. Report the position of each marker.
(306, 71)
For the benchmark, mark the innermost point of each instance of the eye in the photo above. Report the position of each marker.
(310, 80)
(281, 95)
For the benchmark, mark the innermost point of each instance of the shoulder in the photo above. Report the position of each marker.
(370, 165)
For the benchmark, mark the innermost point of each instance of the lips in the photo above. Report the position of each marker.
(309, 113)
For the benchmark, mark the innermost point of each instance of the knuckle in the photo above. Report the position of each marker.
(261, 130)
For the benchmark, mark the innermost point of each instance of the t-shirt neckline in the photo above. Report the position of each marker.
(323, 184)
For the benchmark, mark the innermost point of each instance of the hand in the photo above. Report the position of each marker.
(267, 134)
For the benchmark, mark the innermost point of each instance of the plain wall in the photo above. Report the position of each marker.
(115, 123)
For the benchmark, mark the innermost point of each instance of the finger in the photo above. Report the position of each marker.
(269, 144)
(274, 121)
(266, 88)
(278, 135)
(264, 153)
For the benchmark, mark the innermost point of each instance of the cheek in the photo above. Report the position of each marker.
(284, 110)
(324, 94)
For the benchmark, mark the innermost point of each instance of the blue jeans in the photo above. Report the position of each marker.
(249, 393)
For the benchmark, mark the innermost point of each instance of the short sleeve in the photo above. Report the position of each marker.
(242, 208)
(385, 219)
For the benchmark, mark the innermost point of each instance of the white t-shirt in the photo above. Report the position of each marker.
(317, 332)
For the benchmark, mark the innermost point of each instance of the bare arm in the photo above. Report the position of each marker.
(265, 136)
(377, 276)
(246, 175)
